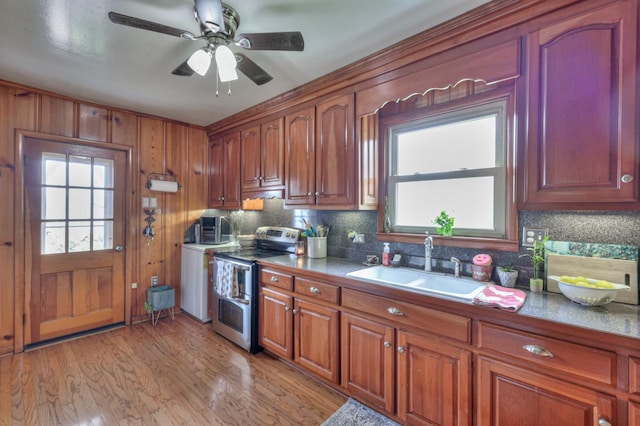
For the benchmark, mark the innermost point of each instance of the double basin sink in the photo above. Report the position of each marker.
(464, 289)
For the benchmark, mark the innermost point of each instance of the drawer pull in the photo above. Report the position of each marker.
(537, 350)
(274, 279)
(401, 349)
(387, 344)
(603, 422)
(395, 311)
(314, 290)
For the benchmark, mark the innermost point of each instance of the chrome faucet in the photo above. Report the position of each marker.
(428, 246)
(456, 266)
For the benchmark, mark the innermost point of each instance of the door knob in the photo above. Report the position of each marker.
(119, 248)
(626, 178)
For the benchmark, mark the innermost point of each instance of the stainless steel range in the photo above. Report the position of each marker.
(235, 284)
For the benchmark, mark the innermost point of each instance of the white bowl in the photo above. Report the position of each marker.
(589, 296)
(246, 240)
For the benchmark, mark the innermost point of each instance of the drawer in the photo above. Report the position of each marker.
(589, 363)
(442, 323)
(317, 290)
(276, 279)
(634, 375)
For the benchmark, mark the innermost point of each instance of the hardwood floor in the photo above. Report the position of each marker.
(179, 372)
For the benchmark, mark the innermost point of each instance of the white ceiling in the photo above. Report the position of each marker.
(70, 47)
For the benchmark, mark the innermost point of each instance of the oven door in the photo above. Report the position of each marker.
(235, 317)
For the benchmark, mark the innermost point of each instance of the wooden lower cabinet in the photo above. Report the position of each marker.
(634, 413)
(300, 330)
(368, 356)
(434, 381)
(509, 395)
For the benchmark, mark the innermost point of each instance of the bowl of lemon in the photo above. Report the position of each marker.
(588, 291)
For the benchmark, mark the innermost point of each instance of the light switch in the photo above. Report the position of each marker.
(153, 202)
(145, 202)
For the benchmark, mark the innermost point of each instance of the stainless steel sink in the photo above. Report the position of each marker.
(419, 281)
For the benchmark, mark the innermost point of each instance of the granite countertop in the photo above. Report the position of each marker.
(613, 318)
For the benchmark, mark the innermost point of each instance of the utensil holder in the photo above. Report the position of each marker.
(316, 247)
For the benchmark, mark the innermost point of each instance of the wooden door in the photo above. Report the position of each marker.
(275, 325)
(434, 382)
(368, 356)
(250, 168)
(75, 210)
(581, 140)
(335, 153)
(216, 173)
(300, 158)
(272, 161)
(231, 179)
(316, 331)
(512, 396)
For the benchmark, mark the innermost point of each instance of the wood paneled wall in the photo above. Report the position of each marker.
(157, 146)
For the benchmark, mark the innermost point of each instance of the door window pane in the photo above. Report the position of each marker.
(79, 204)
(102, 235)
(79, 171)
(53, 237)
(102, 204)
(54, 203)
(79, 236)
(102, 173)
(54, 169)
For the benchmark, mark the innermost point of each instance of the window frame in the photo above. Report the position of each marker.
(461, 107)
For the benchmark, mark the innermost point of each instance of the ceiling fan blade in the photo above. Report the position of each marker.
(272, 41)
(183, 70)
(210, 14)
(142, 24)
(252, 70)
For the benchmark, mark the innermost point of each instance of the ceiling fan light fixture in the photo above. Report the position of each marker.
(200, 61)
(226, 62)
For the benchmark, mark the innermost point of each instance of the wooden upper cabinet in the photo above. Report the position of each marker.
(581, 147)
(263, 156)
(124, 128)
(300, 157)
(320, 155)
(56, 116)
(93, 123)
(224, 172)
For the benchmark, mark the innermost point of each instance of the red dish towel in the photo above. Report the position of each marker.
(505, 298)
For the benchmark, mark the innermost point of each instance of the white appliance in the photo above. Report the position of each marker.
(194, 280)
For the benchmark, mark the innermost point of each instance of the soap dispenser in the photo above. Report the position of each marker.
(386, 255)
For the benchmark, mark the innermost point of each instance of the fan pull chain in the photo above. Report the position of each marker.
(217, 80)
(229, 92)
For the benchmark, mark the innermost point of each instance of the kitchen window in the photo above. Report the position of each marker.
(454, 159)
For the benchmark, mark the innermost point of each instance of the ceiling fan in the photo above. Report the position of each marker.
(218, 24)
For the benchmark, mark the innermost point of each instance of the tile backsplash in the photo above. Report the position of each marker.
(589, 227)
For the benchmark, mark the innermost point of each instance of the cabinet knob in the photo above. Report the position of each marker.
(256, 178)
(317, 194)
(274, 279)
(261, 178)
(287, 309)
(387, 344)
(626, 178)
(295, 311)
(314, 290)
(401, 349)
(222, 198)
(537, 350)
(309, 194)
(603, 422)
(395, 311)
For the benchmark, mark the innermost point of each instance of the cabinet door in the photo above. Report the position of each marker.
(513, 396)
(231, 181)
(272, 162)
(368, 361)
(250, 169)
(335, 152)
(300, 158)
(216, 173)
(581, 143)
(316, 332)
(434, 382)
(275, 325)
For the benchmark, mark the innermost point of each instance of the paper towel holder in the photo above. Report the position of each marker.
(161, 177)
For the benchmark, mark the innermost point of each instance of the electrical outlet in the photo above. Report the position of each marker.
(154, 281)
(134, 285)
(529, 235)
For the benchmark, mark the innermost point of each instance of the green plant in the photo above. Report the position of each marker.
(147, 306)
(508, 268)
(536, 254)
(444, 223)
